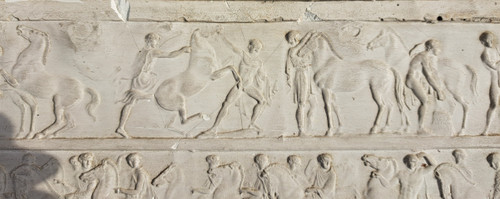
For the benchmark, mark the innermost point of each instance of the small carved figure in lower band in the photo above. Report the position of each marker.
(411, 179)
(140, 181)
(454, 179)
(423, 80)
(144, 77)
(324, 179)
(224, 181)
(491, 58)
(494, 161)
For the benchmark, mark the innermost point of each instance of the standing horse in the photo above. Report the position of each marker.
(172, 93)
(385, 167)
(452, 73)
(334, 75)
(106, 174)
(175, 181)
(29, 71)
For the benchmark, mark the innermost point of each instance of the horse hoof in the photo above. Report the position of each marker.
(38, 136)
(122, 133)
(374, 130)
(461, 132)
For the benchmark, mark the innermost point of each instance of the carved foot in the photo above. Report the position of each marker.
(330, 132)
(485, 133)
(461, 132)
(254, 127)
(374, 130)
(424, 132)
(122, 132)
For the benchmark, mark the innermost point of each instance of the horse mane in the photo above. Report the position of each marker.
(46, 51)
(397, 37)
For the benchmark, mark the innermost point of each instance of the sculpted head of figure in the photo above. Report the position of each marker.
(213, 161)
(325, 160)
(292, 37)
(134, 160)
(87, 160)
(488, 39)
(29, 159)
(74, 162)
(494, 160)
(254, 46)
(433, 46)
(152, 40)
(459, 155)
(261, 160)
(411, 161)
(294, 161)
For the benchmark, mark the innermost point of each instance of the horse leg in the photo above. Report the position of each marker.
(465, 108)
(328, 101)
(382, 108)
(59, 122)
(23, 107)
(30, 100)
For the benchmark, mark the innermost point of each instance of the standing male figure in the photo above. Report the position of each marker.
(301, 81)
(424, 81)
(144, 78)
(491, 58)
(252, 82)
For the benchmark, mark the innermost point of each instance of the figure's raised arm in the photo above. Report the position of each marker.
(161, 54)
(431, 75)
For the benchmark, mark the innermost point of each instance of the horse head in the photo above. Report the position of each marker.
(35, 36)
(165, 177)
(380, 40)
(29, 33)
(371, 160)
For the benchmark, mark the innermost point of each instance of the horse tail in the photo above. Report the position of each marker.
(94, 102)
(473, 85)
(399, 90)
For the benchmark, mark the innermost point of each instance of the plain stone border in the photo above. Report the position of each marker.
(261, 144)
(482, 11)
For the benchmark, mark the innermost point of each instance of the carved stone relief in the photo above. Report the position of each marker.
(303, 105)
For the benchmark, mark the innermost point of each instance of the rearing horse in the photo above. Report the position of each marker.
(29, 71)
(172, 93)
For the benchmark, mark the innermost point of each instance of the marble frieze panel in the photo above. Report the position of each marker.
(264, 105)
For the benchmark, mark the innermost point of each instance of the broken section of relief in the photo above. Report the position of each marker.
(446, 174)
(204, 80)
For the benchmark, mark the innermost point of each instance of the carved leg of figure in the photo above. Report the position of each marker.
(258, 108)
(405, 122)
(494, 97)
(300, 115)
(328, 101)
(233, 95)
(125, 114)
(58, 123)
(425, 102)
